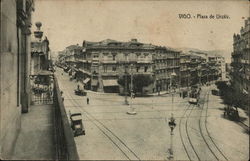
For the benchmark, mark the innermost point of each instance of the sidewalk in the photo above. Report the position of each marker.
(35, 140)
(245, 117)
(177, 90)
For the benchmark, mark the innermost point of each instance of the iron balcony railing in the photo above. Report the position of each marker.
(64, 139)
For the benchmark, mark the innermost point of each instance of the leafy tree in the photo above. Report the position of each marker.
(222, 86)
(230, 96)
(139, 81)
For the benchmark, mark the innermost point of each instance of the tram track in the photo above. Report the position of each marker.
(208, 133)
(187, 142)
(180, 131)
(188, 146)
(188, 135)
(121, 145)
(201, 132)
(191, 152)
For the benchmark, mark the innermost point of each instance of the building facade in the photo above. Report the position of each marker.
(185, 76)
(107, 60)
(240, 65)
(14, 69)
(100, 64)
(40, 51)
(166, 68)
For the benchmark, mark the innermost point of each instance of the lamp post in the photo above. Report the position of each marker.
(199, 74)
(131, 110)
(171, 122)
(126, 86)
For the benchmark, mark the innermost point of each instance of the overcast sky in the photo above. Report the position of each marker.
(157, 22)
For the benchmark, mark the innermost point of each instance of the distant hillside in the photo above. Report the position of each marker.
(226, 54)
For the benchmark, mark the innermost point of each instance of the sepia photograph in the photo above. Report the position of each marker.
(124, 80)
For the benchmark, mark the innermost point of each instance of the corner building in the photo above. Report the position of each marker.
(102, 63)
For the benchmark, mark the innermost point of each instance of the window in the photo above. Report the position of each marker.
(137, 69)
(113, 68)
(113, 55)
(105, 69)
(145, 69)
(126, 56)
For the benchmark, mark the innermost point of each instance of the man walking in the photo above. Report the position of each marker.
(87, 100)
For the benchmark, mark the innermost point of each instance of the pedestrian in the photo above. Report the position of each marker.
(87, 100)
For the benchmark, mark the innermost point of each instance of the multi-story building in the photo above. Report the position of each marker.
(194, 66)
(71, 53)
(40, 51)
(206, 68)
(184, 70)
(240, 72)
(166, 62)
(103, 62)
(216, 64)
(100, 64)
(15, 69)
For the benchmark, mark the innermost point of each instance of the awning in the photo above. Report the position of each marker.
(44, 72)
(83, 71)
(86, 80)
(94, 82)
(245, 91)
(110, 82)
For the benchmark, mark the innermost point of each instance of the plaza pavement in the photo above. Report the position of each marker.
(111, 134)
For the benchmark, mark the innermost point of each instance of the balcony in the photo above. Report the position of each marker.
(142, 72)
(64, 142)
(183, 69)
(243, 61)
(109, 73)
(140, 60)
(107, 61)
(81, 60)
(95, 59)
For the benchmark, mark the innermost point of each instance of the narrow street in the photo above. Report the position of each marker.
(201, 132)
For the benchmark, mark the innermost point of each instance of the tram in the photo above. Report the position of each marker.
(194, 95)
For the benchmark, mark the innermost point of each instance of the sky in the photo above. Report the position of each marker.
(67, 22)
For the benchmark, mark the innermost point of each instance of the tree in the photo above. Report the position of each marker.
(230, 96)
(139, 81)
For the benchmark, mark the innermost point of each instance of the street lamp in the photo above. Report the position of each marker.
(126, 85)
(131, 110)
(199, 74)
(171, 122)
